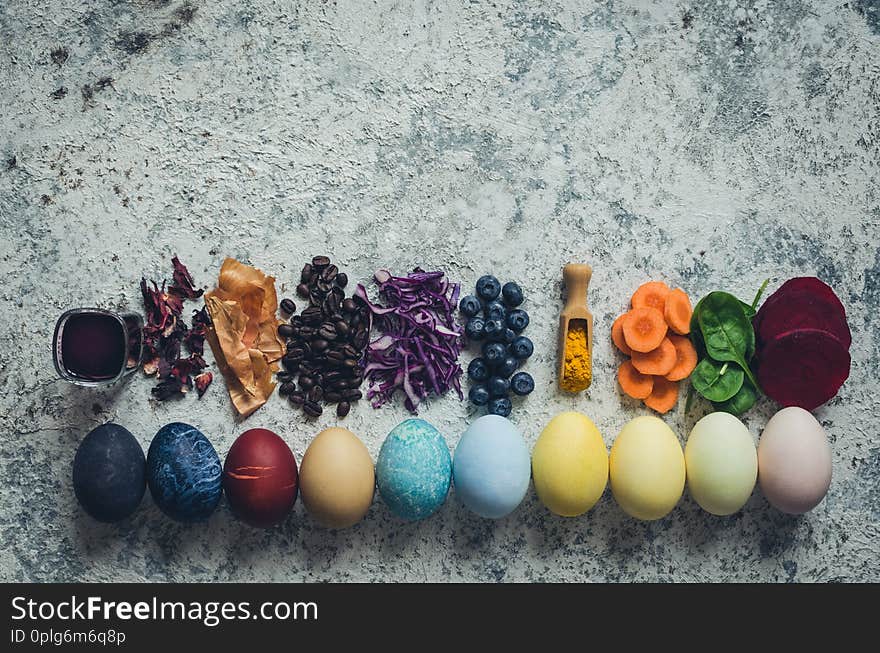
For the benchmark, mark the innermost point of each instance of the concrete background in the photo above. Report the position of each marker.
(708, 144)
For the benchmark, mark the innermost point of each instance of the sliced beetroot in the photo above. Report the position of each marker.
(802, 303)
(803, 367)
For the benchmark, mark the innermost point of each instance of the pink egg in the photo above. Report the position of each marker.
(794, 461)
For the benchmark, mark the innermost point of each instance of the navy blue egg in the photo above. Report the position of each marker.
(109, 473)
(184, 473)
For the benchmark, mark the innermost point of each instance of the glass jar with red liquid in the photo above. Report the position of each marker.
(95, 347)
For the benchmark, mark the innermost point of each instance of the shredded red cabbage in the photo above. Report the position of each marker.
(420, 342)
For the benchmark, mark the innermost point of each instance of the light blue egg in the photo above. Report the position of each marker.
(414, 470)
(492, 467)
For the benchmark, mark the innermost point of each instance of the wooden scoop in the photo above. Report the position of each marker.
(577, 279)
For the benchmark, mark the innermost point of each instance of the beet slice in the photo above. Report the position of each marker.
(803, 367)
(802, 303)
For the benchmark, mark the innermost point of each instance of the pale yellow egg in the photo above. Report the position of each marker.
(647, 469)
(570, 465)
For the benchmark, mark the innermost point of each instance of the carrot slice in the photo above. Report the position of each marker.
(686, 355)
(663, 396)
(651, 295)
(658, 362)
(678, 312)
(634, 383)
(617, 337)
(644, 329)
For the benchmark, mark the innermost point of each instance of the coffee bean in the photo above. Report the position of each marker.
(286, 388)
(296, 398)
(342, 280)
(329, 273)
(350, 362)
(312, 316)
(332, 397)
(343, 409)
(302, 290)
(316, 393)
(296, 354)
(306, 273)
(349, 306)
(288, 306)
(316, 298)
(319, 345)
(323, 286)
(306, 382)
(334, 358)
(320, 262)
(352, 394)
(289, 363)
(360, 340)
(327, 331)
(312, 408)
(285, 330)
(283, 376)
(341, 328)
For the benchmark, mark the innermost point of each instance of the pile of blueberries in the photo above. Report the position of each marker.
(495, 319)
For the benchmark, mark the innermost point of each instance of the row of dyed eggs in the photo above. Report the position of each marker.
(648, 470)
(336, 479)
(491, 470)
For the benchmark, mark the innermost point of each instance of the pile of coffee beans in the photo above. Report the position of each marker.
(325, 343)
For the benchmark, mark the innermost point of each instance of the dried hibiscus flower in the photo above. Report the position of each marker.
(166, 334)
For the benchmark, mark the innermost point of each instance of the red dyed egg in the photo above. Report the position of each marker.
(260, 478)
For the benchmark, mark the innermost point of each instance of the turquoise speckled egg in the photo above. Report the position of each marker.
(414, 470)
(492, 467)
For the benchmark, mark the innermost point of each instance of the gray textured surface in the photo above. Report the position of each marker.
(711, 146)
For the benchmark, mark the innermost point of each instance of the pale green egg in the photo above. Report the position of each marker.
(722, 464)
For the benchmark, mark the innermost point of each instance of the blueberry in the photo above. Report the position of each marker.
(507, 366)
(518, 320)
(479, 395)
(493, 353)
(500, 406)
(470, 305)
(498, 386)
(522, 348)
(478, 370)
(488, 287)
(475, 329)
(495, 311)
(494, 329)
(509, 336)
(512, 293)
(522, 384)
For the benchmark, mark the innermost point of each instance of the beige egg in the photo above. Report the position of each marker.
(794, 461)
(337, 478)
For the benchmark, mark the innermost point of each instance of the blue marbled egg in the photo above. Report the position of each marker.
(414, 470)
(184, 473)
(492, 467)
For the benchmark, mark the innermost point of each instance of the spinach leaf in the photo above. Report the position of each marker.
(716, 381)
(741, 402)
(726, 330)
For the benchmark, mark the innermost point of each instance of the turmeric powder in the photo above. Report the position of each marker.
(578, 359)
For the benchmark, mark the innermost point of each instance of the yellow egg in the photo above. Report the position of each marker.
(570, 465)
(336, 478)
(647, 469)
(722, 463)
